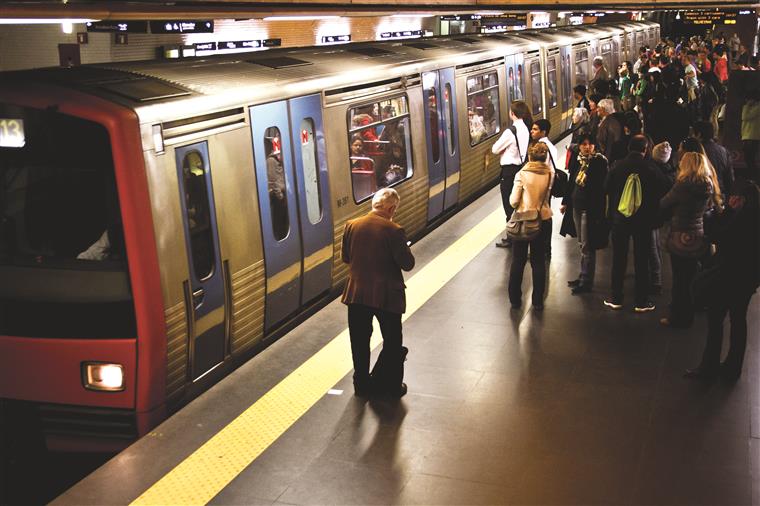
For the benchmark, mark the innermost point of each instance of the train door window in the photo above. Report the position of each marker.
(551, 79)
(448, 111)
(380, 146)
(520, 83)
(433, 115)
(581, 66)
(483, 106)
(311, 172)
(535, 87)
(278, 202)
(198, 214)
(607, 54)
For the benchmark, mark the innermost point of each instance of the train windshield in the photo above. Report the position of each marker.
(62, 254)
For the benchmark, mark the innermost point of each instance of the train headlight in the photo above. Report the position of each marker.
(103, 376)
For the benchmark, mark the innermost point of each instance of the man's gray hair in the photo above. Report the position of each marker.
(580, 115)
(385, 198)
(607, 104)
(598, 60)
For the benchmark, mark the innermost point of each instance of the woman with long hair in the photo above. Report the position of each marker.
(728, 286)
(531, 192)
(692, 194)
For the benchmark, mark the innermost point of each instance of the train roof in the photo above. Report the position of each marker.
(159, 89)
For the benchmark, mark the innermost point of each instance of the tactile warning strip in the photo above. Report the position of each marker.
(211, 467)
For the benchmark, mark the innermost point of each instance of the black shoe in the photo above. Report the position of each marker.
(504, 243)
(578, 289)
(574, 283)
(363, 390)
(397, 392)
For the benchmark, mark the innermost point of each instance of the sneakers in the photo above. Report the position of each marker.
(613, 304)
(645, 308)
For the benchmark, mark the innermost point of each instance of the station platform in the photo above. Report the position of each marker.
(574, 404)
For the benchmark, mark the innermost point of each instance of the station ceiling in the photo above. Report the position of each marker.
(151, 9)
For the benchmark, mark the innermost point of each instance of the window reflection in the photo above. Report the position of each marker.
(278, 202)
(483, 106)
(535, 87)
(198, 214)
(311, 172)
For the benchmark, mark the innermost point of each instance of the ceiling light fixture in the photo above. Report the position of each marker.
(412, 15)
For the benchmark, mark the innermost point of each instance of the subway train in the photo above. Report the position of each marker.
(162, 221)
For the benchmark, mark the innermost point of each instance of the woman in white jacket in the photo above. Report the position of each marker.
(530, 192)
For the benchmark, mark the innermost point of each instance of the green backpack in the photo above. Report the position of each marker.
(630, 200)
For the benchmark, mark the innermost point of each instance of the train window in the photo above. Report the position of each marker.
(535, 87)
(431, 81)
(60, 220)
(551, 79)
(311, 172)
(519, 84)
(278, 201)
(198, 213)
(483, 106)
(448, 112)
(380, 146)
(581, 66)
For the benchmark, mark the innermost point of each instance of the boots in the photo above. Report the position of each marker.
(388, 374)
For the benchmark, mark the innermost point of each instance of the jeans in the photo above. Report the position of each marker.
(735, 305)
(588, 254)
(642, 238)
(360, 331)
(681, 306)
(508, 173)
(655, 260)
(537, 263)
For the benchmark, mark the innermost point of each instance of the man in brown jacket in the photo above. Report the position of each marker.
(376, 250)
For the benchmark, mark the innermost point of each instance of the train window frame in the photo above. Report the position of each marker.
(535, 91)
(448, 111)
(272, 140)
(434, 119)
(196, 149)
(311, 177)
(482, 91)
(551, 78)
(402, 121)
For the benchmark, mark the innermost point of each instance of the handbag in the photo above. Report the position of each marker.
(686, 244)
(526, 225)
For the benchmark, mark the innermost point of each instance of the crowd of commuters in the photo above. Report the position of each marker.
(645, 167)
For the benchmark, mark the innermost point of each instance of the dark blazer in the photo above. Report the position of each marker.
(375, 249)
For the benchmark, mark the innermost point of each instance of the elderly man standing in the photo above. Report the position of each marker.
(610, 130)
(377, 250)
(601, 76)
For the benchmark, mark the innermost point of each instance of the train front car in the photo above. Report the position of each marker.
(82, 333)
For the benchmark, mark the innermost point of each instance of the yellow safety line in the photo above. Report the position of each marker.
(206, 472)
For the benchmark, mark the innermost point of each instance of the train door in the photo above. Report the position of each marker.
(291, 180)
(533, 69)
(552, 102)
(567, 92)
(442, 148)
(615, 54)
(204, 290)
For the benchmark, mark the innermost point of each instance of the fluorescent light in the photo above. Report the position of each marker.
(67, 27)
(42, 21)
(297, 18)
(412, 15)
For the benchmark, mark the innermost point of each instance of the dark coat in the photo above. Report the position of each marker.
(654, 185)
(737, 236)
(376, 250)
(610, 131)
(687, 202)
(721, 161)
(589, 198)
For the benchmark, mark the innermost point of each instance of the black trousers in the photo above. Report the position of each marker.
(681, 306)
(508, 173)
(735, 305)
(537, 249)
(360, 330)
(642, 239)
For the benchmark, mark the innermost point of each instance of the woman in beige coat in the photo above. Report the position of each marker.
(531, 191)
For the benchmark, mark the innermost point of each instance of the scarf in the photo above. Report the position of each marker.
(580, 178)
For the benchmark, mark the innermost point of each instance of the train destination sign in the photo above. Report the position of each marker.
(118, 26)
(12, 133)
(238, 44)
(182, 26)
(335, 39)
(401, 35)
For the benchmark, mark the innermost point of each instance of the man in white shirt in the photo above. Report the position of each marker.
(512, 147)
(539, 132)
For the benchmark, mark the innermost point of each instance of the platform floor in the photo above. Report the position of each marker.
(575, 404)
